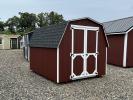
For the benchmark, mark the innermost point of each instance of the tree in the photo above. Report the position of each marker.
(27, 21)
(42, 19)
(13, 24)
(2, 25)
(55, 18)
(45, 19)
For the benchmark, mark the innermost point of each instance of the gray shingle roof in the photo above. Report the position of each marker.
(118, 26)
(48, 36)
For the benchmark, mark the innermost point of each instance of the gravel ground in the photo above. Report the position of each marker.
(17, 82)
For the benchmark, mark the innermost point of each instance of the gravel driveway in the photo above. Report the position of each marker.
(17, 82)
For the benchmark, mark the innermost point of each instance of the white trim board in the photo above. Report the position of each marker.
(116, 33)
(125, 48)
(57, 65)
(106, 59)
(81, 27)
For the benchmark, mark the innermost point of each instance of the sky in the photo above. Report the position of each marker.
(100, 10)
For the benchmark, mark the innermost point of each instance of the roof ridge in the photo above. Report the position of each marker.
(119, 19)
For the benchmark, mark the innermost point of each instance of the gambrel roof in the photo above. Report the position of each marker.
(50, 36)
(118, 26)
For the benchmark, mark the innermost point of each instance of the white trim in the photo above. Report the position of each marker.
(125, 47)
(129, 29)
(58, 65)
(81, 27)
(106, 59)
(125, 50)
(96, 50)
(72, 50)
(85, 55)
(120, 32)
(28, 53)
(62, 35)
(85, 51)
(116, 33)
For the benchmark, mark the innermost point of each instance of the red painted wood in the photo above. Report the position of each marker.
(91, 64)
(43, 62)
(65, 50)
(78, 65)
(91, 44)
(78, 34)
(115, 51)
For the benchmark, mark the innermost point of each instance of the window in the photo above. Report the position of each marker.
(0, 40)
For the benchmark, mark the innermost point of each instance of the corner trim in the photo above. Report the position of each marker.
(125, 50)
(125, 47)
(106, 59)
(57, 65)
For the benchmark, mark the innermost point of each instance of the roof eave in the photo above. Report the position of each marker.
(115, 33)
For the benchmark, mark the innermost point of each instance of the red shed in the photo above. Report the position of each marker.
(120, 37)
(69, 51)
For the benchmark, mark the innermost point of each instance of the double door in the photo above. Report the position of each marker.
(84, 51)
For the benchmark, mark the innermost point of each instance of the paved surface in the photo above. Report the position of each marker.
(17, 82)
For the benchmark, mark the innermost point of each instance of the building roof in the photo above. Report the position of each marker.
(118, 26)
(50, 36)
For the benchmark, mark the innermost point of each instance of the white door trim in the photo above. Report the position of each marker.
(81, 27)
(85, 54)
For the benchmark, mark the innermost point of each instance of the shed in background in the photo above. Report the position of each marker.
(25, 45)
(9, 41)
(120, 37)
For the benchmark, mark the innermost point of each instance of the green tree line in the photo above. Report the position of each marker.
(26, 22)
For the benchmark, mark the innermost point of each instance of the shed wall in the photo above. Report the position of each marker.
(65, 50)
(116, 49)
(6, 40)
(43, 61)
(130, 49)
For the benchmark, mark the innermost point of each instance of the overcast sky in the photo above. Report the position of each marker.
(100, 10)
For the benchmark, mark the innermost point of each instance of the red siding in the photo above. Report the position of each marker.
(91, 45)
(115, 51)
(130, 49)
(65, 49)
(43, 62)
(78, 65)
(78, 48)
